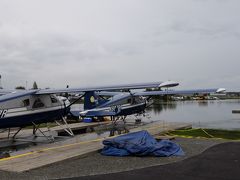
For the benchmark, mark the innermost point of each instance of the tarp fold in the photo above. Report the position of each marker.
(140, 144)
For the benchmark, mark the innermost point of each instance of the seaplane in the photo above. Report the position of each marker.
(21, 108)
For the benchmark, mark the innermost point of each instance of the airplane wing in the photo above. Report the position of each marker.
(126, 95)
(108, 93)
(110, 88)
(9, 95)
(4, 91)
(180, 92)
(16, 94)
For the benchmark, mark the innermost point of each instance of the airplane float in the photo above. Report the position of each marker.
(21, 108)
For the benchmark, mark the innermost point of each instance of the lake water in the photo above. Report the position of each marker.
(205, 114)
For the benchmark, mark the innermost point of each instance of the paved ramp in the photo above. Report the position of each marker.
(50, 153)
(220, 162)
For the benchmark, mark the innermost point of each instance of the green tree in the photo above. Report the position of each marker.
(20, 87)
(35, 85)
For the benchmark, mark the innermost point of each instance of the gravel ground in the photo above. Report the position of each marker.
(220, 162)
(95, 163)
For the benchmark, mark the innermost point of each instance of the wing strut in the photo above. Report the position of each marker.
(66, 128)
(36, 127)
(75, 100)
(9, 132)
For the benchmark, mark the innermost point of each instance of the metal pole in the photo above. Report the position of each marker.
(0, 81)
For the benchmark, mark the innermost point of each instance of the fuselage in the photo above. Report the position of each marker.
(30, 109)
(116, 110)
(37, 109)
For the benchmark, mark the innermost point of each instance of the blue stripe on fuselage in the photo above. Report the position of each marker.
(132, 110)
(37, 118)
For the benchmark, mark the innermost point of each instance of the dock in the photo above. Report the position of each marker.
(57, 129)
(38, 156)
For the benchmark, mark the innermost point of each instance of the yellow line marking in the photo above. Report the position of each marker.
(48, 149)
(17, 156)
(53, 148)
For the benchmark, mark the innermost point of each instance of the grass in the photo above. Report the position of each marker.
(208, 133)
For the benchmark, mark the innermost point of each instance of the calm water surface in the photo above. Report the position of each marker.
(205, 114)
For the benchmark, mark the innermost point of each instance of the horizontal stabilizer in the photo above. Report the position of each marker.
(97, 113)
(116, 99)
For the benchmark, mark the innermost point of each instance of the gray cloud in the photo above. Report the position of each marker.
(214, 31)
(91, 42)
(56, 55)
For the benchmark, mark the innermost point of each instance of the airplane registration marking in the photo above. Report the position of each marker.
(3, 113)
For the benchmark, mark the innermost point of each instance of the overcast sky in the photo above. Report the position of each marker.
(95, 42)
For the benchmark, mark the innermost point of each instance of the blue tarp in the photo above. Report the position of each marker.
(140, 144)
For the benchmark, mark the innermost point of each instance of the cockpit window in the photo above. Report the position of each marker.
(38, 103)
(53, 99)
(26, 102)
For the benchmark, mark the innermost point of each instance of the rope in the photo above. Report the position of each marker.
(211, 136)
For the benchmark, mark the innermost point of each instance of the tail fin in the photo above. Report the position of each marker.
(90, 100)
